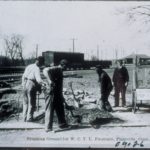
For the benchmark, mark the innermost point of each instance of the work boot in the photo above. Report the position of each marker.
(30, 119)
(24, 119)
(108, 106)
(48, 130)
(94, 124)
(101, 106)
(64, 126)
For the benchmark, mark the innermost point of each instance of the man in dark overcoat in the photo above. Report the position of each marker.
(120, 82)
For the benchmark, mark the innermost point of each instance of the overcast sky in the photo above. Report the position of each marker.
(52, 25)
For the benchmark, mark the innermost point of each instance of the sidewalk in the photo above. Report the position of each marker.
(122, 117)
(126, 127)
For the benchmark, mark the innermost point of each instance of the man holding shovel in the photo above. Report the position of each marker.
(54, 96)
(106, 87)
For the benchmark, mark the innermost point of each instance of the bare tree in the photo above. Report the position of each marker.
(13, 47)
(136, 13)
(141, 13)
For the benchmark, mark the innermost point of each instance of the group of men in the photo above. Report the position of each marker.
(54, 100)
(32, 82)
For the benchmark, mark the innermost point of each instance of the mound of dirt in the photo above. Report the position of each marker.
(86, 115)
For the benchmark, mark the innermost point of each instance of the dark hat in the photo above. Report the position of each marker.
(40, 59)
(63, 62)
(99, 67)
(120, 61)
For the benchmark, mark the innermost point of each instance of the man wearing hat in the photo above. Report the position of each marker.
(54, 96)
(106, 87)
(31, 82)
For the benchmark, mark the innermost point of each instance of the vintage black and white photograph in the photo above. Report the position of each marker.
(75, 74)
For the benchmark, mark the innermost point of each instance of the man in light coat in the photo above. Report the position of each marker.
(31, 82)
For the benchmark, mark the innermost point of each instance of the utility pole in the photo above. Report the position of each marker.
(101, 54)
(36, 50)
(73, 44)
(116, 53)
(97, 52)
(105, 53)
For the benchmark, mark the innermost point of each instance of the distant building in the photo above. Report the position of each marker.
(130, 59)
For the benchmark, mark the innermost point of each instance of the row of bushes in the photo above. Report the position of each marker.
(5, 61)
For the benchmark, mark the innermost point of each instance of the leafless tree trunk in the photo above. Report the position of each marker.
(13, 47)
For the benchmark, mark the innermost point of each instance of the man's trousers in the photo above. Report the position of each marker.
(105, 105)
(120, 89)
(29, 103)
(54, 102)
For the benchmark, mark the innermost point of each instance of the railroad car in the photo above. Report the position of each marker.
(75, 60)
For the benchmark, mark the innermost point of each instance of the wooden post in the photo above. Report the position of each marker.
(38, 101)
(134, 82)
(135, 70)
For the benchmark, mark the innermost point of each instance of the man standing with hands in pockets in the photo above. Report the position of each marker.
(120, 82)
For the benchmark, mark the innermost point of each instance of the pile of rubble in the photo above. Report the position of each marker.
(9, 103)
(8, 108)
(78, 98)
(85, 106)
